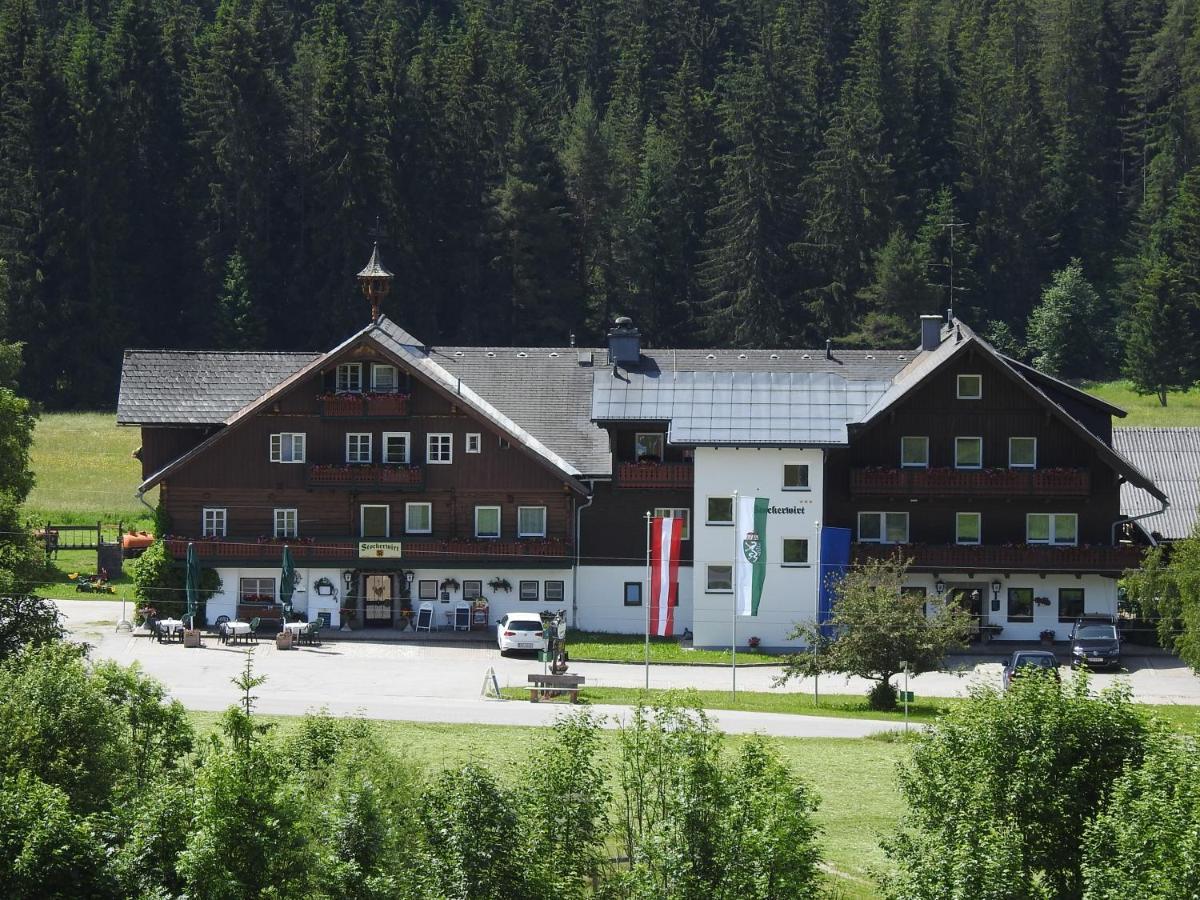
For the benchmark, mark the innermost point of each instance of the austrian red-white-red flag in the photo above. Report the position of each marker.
(665, 535)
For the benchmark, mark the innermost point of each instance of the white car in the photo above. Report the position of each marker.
(520, 631)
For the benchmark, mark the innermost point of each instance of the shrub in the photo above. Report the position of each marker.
(1002, 787)
(159, 581)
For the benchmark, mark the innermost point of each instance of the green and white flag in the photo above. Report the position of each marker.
(750, 555)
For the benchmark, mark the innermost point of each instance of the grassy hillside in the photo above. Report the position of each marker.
(1181, 409)
(85, 470)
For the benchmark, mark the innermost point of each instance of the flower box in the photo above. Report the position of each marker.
(655, 474)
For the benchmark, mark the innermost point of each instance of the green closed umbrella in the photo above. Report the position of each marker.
(287, 582)
(192, 583)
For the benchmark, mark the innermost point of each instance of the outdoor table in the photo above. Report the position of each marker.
(449, 626)
(296, 628)
(170, 627)
(234, 629)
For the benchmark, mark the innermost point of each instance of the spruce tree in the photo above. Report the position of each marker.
(1070, 330)
(1159, 355)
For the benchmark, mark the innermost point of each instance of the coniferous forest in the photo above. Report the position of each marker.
(734, 172)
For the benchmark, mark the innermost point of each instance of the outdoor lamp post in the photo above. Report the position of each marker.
(375, 281)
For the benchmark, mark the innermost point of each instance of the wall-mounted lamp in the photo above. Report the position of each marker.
(940, 587)
(996, 595)
(408, 578)
(348, 577)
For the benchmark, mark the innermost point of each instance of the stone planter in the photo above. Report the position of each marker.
(191, 637)
(283, 640)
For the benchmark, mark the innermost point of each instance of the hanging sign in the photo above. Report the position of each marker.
(379, 549)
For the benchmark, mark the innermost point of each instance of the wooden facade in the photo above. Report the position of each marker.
(235, 472)
(1007, 408)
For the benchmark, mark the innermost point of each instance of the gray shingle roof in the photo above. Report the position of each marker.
(1171, 457)
(197, 387)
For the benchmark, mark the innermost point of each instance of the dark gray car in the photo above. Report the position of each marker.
(1096, 645)
(1038, 660)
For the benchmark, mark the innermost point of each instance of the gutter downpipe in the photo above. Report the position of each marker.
(575, 571)
(1128, 519)
(141, 498)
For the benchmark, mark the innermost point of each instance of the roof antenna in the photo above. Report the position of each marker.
(829, 348)
(951, 225)
(571, 340)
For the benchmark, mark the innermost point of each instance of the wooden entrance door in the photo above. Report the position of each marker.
(377, 601)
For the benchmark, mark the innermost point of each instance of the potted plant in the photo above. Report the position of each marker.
(449, 584)
(500, 584)
(1047, 637)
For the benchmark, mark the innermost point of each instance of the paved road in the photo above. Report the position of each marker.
(441, 684)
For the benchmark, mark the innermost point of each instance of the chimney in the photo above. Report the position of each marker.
(931, 332)
(624, 343)
(829, 348)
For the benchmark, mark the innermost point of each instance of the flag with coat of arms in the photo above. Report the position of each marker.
(750, 554)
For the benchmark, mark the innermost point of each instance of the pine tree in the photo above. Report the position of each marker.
(1159, 356)
(239, 324)
(1070, 331)
(898, 294)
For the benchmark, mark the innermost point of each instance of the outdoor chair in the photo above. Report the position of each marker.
(222, 632)
(312, 634)
(254, 624)
(151, 628)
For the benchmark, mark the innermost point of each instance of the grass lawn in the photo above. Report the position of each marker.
(85, 472)
(855, 780)
(1181, 409)
(594, 646)
(58, 586)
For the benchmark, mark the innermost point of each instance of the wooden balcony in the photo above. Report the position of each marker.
(534, 551)
(381, 477)
(1007, 557)
(349, 406)
(655, 475)
(882, 482)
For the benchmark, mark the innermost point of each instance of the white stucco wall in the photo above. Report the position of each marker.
(789, 594)
(308, 603)
(1099, 598)
(602, 600)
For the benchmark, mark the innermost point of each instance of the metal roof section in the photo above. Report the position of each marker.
(1171, 457)
(739, 408)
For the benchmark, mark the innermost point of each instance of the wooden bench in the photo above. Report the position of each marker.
(547, 687)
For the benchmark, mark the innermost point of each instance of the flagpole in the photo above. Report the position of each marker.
(646, 599)
(734, 582)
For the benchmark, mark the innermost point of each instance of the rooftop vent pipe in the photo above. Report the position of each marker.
(829, 348)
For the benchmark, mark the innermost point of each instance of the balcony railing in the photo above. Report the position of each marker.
(309, 550)
(972, 482)
(1007, 558)
(382, 477)
(345, 406)
(655, 475)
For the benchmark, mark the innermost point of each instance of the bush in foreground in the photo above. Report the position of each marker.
(1001, 789)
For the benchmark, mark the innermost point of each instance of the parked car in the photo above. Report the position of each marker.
(1021, 660)
(1096, 643)
(520, 631)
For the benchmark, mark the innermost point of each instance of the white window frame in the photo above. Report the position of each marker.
(883, 529)
(1051, 521)
(295, 439)
(409, 508)
(376, 368)
(958, 538)
(1013, 465)
(968, 437)
(359, 435)
(214, 521)
(783, 554)
(444, 441)
(286, 512)
(499, 522)
(385, 454)
(807, 473)
(959, 387)
(924, 439)
(521, 532)
(346, 370)
(387, 520)
(708, 519)
(708, 588)
(677, 512)
(662, 443)
(473, 442)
